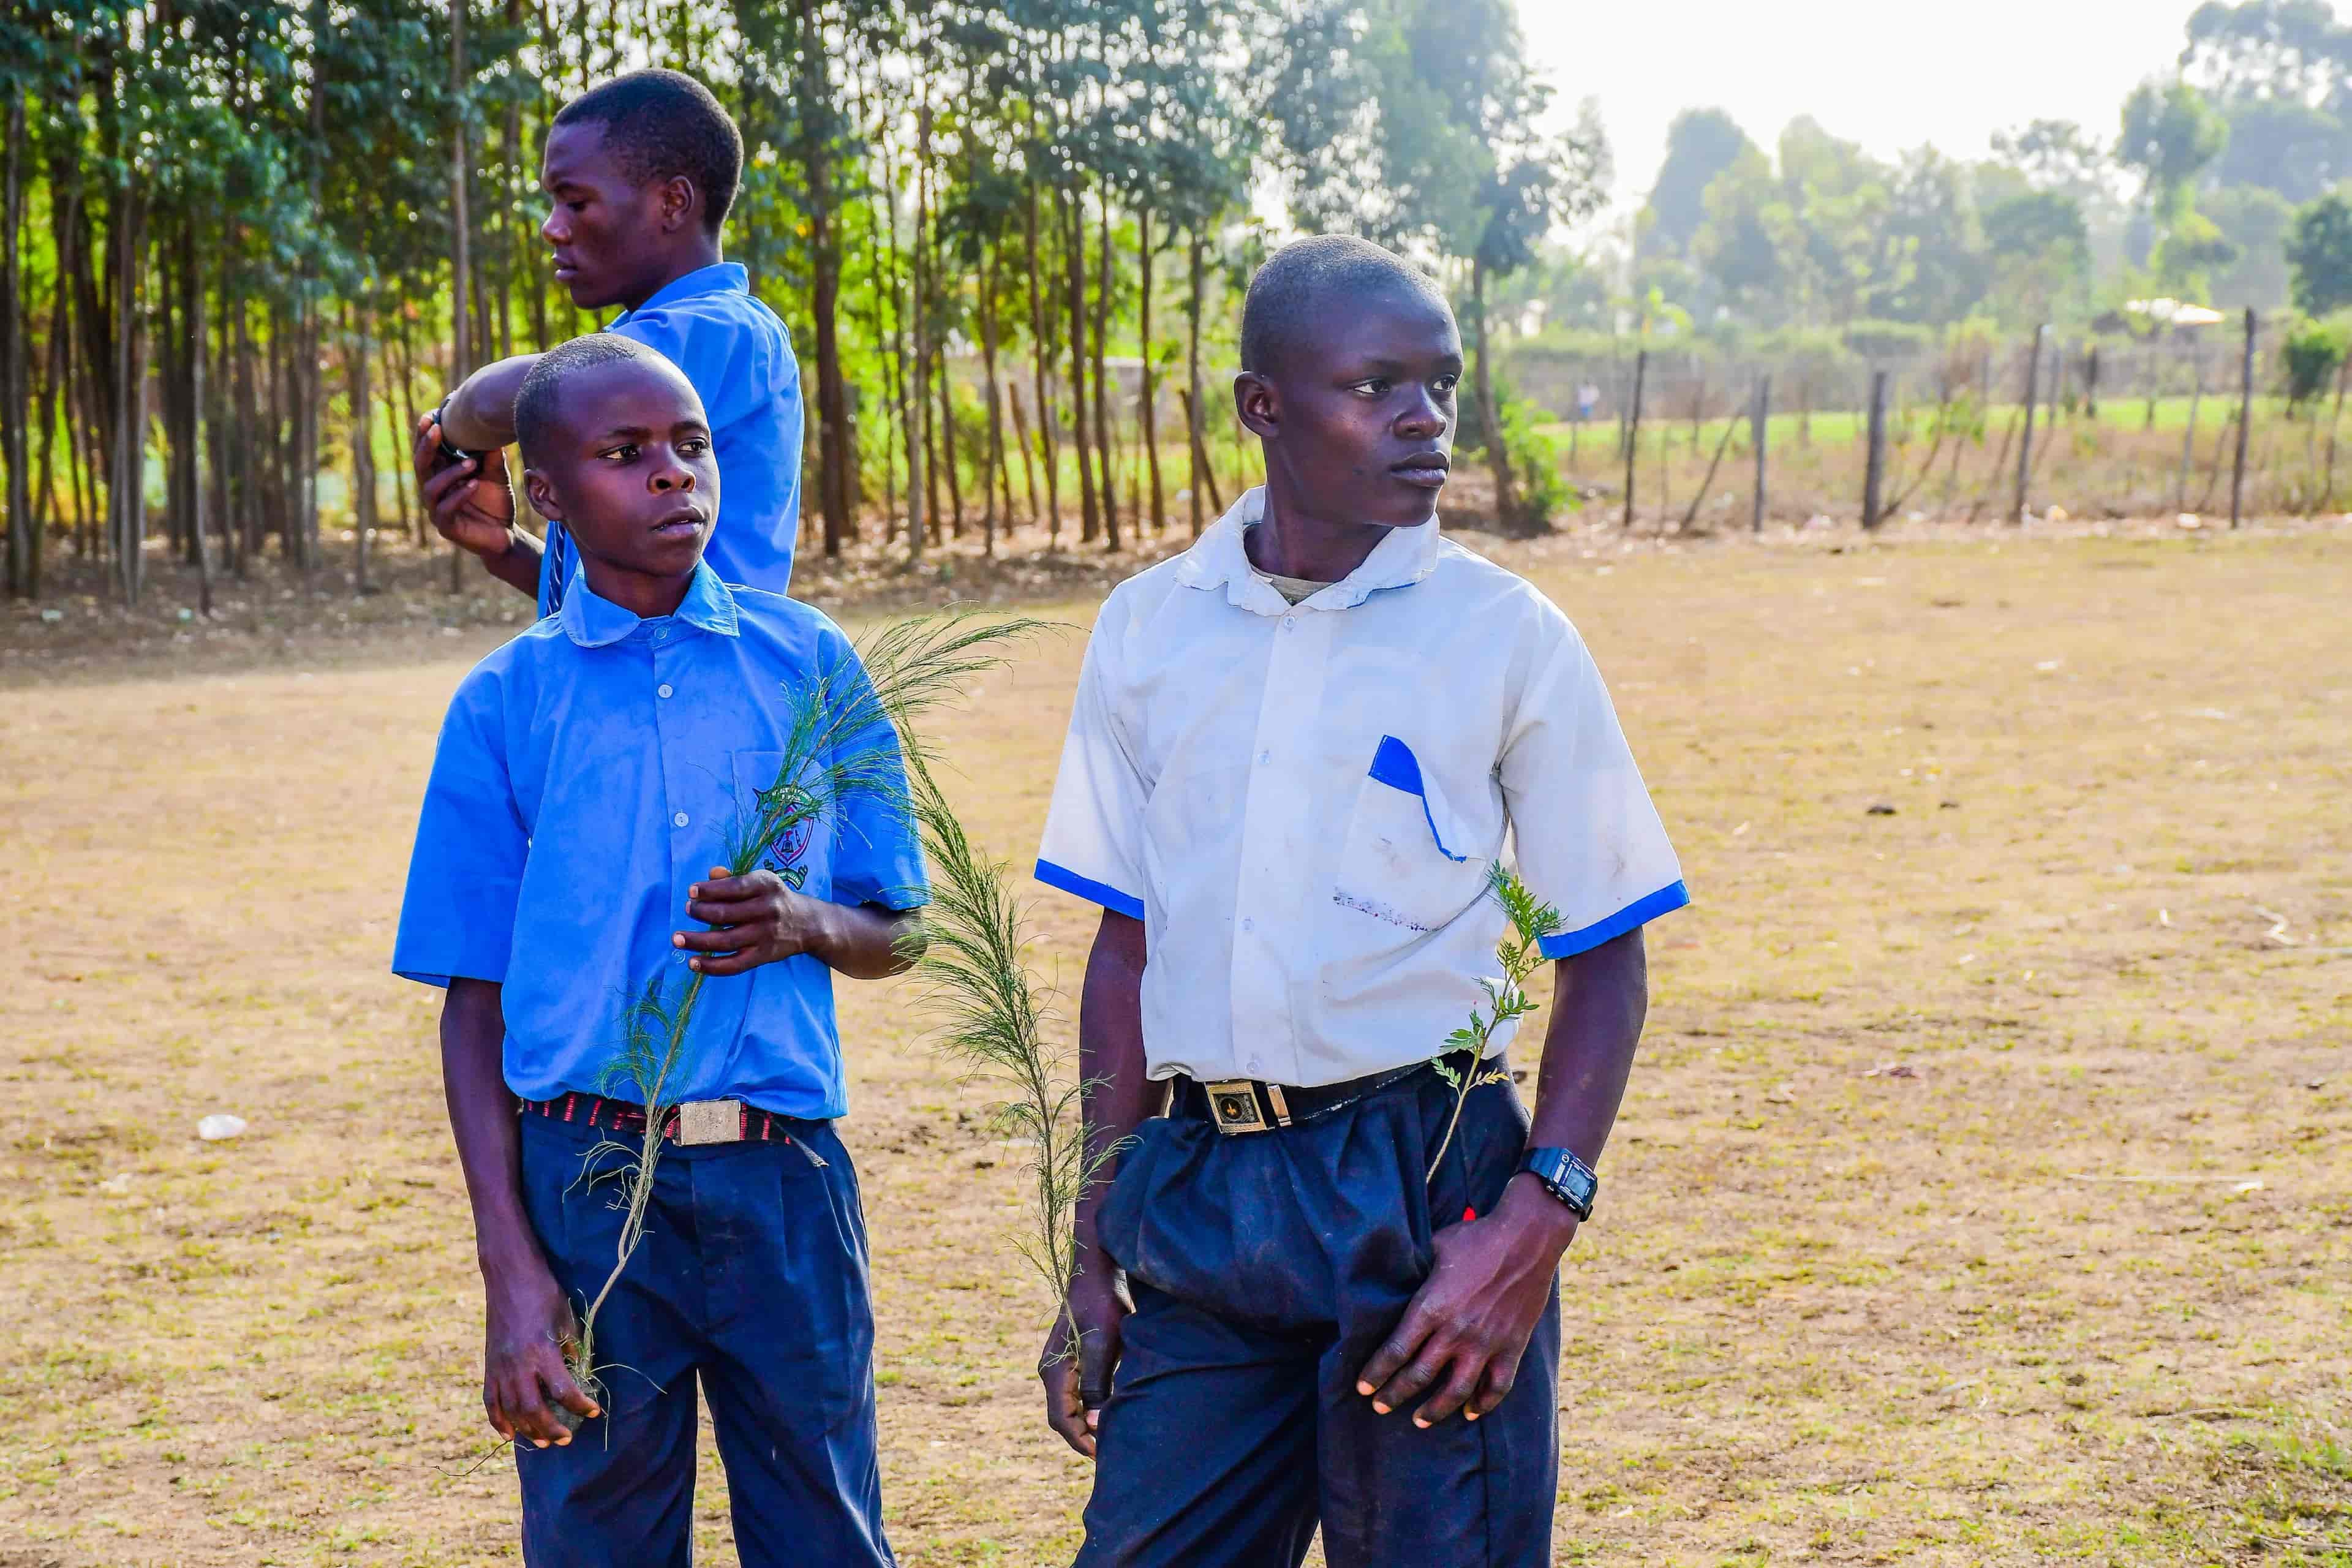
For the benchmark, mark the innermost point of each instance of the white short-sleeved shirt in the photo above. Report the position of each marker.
(1302, 804)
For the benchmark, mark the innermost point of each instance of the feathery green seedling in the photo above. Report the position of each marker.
(1519, 952)
(976, 972)
(849, 737)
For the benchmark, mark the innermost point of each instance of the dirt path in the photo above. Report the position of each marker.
(1984, 1193)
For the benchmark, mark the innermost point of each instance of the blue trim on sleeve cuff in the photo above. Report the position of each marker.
(1087, 888)
(1640, 912)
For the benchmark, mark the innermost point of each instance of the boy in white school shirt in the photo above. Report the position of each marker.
(1296, 751)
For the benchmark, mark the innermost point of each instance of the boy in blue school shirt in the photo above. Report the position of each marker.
(581, 794)
(639, 174)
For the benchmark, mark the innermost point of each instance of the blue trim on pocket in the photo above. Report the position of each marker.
(1640, 912)
(1394, 766)
(1087, 888)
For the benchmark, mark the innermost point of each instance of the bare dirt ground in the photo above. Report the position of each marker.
(1984, 1195)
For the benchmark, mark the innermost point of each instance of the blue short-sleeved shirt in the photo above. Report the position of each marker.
(739, 358)
(586, 777)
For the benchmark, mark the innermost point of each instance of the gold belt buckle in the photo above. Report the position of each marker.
(1234, 1106)
(710, 1121)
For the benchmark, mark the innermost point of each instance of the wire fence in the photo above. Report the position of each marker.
(1970, 429)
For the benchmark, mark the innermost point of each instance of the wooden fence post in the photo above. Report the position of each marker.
(2091, 385)
(2025, 445)
(2245, 422)
(1633, 431)
(1875, 474)
(2189, 438)
(1762, 419)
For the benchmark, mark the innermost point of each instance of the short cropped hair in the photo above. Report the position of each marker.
(661, 123)
(1287, 298)
(538, 403)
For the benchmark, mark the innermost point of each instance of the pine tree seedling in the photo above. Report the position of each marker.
(1519, 952)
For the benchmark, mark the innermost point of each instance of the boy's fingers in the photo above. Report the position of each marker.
(727, 889)
(1404, 1386)
(563, 1391)
(1467, 1373)
(1394, 1352)
(1501, 1376)
(725, 941)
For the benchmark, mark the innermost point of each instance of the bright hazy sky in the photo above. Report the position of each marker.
(1887, 75)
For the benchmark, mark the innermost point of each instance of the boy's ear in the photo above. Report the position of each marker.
(1258, 403)
(680, 203)
(540, 491)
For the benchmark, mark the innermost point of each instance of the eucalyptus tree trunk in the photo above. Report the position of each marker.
(919, 486)
(460, 229)
(994, 468)
(125, 487)
(1203, 472)
(1041, 350)
(198, 342)
(24, 580)
(1105, 274)
(363, 446)
(824, 289)
(1074, 252)
(1149, 392)
(1498, 451)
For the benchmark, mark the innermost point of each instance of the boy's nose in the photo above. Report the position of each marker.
(673, 476)
(552, 231)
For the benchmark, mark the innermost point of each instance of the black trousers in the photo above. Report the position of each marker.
(1266, 1269)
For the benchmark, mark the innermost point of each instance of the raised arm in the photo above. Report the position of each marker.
(480, 414)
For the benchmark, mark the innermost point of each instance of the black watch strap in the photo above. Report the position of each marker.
(1565, 1176)
(452, 454)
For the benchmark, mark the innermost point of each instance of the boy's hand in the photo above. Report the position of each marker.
(758, 920)
(470, 502)
(528, 1327)
(1077, 1386)
(1470, 1321)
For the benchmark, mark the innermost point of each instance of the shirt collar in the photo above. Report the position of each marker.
(719, 278)
(592, 620)
(1222, 561)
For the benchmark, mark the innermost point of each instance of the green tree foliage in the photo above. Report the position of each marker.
(2319, 255)
(1701, 144)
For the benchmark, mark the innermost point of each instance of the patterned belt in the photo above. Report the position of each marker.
(694, 1121)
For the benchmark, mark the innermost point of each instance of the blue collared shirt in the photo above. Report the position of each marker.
(587, 775)
(739, 358)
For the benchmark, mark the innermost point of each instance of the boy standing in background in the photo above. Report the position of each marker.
(639, 174)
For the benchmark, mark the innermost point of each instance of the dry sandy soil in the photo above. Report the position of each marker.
(1984, 1195)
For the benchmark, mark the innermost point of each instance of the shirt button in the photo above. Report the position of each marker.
(1290, 622)
(663, 689)
(1248, 924)
(1264, 758)
(679, 820)
(1252, 1067)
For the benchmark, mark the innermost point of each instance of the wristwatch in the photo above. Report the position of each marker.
(449, 453)
(1565, 1176)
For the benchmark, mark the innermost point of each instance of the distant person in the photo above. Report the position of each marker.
(583, 789)
(1587, 399)
(641, 172)
(1297, 752)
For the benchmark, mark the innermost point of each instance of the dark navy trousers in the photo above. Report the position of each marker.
(750, 1285)
(1267, 1268)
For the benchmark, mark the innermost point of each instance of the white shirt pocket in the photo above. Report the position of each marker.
(1409, 861)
